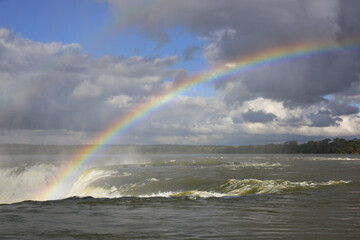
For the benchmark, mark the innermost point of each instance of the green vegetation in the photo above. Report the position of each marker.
(328, 146)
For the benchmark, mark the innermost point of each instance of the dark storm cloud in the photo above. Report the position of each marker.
(338, 108)
(232, 28)
(249, 25)
(323, 119)
(349, 18)
(258, 116)
(294, 122)
(304, 81)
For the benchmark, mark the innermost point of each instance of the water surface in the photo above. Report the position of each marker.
(184, 197)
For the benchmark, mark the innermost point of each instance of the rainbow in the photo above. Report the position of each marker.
(244, 64)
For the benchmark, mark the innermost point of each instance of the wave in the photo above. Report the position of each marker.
(256, 186)
(256, 165)
(91, 185)
(25, 181)
(234, 165)
(351, 158)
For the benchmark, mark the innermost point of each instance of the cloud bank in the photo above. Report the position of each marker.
(61, 89)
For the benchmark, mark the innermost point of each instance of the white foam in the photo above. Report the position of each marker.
(265, 165)
(24, 182)
(82, 185)
(193, 194)
(332, 159)
(152, 180)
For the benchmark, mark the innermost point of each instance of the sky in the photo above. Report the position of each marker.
(69, 69)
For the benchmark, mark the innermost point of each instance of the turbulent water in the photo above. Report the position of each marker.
(183, 197)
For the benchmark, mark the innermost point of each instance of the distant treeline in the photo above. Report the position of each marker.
(327, 146)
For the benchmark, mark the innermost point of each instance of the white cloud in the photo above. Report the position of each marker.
(87, 90)
(47, 86)
(120, 101)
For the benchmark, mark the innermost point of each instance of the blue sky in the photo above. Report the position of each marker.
(91, 24)
(48, 21)
(132, 50)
